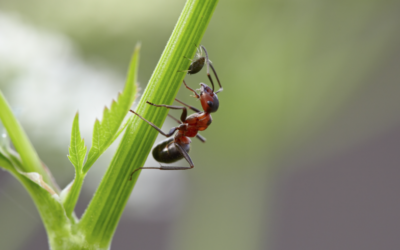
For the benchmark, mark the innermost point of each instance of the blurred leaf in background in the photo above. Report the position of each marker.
(303, 81)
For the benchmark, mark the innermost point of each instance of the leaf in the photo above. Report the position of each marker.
(38, 179)
(77, 148)
(105, 131)
(14, 161)
(77, 153)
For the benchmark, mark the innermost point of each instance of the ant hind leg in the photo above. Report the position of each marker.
(185, 155)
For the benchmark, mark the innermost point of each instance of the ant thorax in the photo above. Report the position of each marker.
(197, 122)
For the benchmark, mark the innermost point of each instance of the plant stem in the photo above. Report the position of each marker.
(29, 157)
(104, 211)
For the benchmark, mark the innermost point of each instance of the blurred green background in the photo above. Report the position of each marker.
(309, 86)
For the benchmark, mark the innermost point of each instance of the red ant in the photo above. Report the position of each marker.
(176, 148)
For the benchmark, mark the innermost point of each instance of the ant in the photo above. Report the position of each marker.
(177, 147)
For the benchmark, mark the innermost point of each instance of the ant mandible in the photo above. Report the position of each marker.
(176, 148)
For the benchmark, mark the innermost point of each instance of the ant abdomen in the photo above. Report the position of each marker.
(167, 152)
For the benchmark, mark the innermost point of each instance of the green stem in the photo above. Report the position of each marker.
(72, 198)
(103, 213)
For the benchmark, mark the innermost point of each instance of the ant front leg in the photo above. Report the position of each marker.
(184, 110)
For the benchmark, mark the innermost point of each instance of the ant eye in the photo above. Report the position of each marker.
(210, 104)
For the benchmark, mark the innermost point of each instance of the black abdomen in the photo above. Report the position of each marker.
(167, 152)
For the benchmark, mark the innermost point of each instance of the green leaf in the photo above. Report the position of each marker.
(103, 213)
(77, 148)
(105, 131)
(77, 153)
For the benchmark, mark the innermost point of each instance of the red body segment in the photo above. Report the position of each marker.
(197, 122)
(181, 138)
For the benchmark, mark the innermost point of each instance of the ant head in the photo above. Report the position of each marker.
(209, 100)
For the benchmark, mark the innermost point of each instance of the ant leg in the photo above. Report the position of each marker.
(187, 158)
(170, 133)
(216, 76)
(201, 138)
(142, 168)
(209, 64)
(164, 168)
(198, 136)
(173, 118)
(185, 155)
(190, 107)
(184, 110)
(189, 88)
